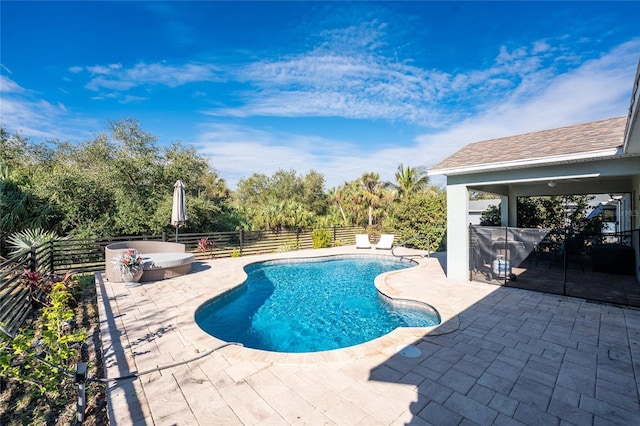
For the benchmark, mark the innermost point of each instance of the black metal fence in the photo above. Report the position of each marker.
(57, 257)
(599, 267)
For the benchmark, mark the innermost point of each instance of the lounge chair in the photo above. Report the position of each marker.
(362, 241)
(386, 241)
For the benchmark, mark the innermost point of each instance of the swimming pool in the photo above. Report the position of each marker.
(310, 305)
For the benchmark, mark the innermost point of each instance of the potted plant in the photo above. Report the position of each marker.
(129, 264)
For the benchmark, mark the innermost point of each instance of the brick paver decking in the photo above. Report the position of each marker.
(503, 356)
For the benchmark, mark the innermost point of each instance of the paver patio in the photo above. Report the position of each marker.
(502, 356)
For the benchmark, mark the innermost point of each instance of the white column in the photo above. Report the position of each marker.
(457, 232)
(504, 210)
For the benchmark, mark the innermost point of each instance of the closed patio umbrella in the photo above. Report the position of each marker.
(178, 211)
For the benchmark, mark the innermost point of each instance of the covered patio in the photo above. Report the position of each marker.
(600, 157)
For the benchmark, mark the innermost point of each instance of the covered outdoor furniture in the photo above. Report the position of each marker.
(386, 242)
(162, 259)
(362, 241)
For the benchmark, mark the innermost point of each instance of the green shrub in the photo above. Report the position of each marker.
(289, 245)
(321, 238)
(422, 214)
(235, 252)
(55, 340)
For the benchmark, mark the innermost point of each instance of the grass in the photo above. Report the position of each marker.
(19, 406)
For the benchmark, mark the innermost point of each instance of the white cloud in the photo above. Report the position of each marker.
(238, 152)
(541, 98)
(598, 89)
(110, 84)
(117, 77)
(360, 84)
(110, 69)
(330, 85)
(32, 118)
(9, 86)
(129, 99)
(25, 112)
(540, 46)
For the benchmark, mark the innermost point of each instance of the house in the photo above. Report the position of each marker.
(600, 157)
(477, 207)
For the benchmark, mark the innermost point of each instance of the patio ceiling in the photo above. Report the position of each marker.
(574, 185)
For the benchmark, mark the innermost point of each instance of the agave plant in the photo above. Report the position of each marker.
(22, 241)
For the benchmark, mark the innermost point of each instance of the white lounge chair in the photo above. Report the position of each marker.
(362, 241)
(386, 241)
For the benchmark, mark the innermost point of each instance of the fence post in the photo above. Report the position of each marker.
(51, 256)
(33, 261)
(241, 238)
(80, 379)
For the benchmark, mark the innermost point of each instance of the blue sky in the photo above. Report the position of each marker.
(340, 88)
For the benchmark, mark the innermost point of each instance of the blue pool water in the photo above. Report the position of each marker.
(309, 306)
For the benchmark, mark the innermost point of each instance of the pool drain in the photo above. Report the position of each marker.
(409, 351)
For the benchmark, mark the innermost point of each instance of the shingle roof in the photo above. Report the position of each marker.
(564, 141)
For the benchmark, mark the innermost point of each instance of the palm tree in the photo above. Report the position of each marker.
(409, 180)
(371, 193)
(336, 195)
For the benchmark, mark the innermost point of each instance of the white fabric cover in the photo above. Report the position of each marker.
(166, 260)
(386, 241)
(362, 241)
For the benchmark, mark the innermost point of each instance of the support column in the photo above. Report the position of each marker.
(505, 211)
(457, 232)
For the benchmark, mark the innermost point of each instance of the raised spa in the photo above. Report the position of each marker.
(310, 305)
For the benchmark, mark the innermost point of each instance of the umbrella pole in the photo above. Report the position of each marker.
(176, 234)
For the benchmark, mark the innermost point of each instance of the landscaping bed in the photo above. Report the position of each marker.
(20, 405)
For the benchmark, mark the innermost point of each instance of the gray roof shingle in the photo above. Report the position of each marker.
(569, 140)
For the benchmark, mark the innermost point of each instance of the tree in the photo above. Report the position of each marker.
(568, 211)
(491, 216)
(371, 193)
(479, 195)
(424, 213)
(13, 148)
(314, 196)
(20, 207)
(335, 197)
(281, 201)
(121, 183)
(409, 180)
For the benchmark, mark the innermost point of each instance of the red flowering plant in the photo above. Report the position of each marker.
(206, 247)
(128, 261)
(34, 279)
(40, 286)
